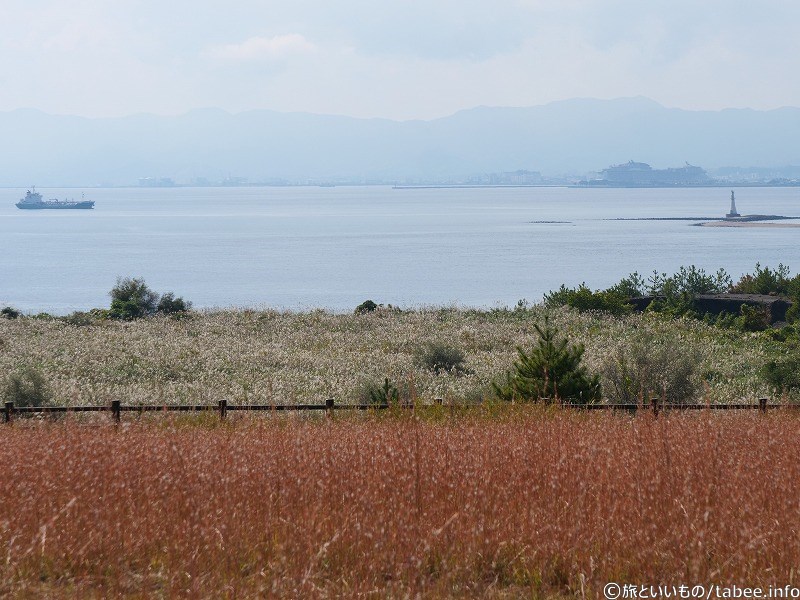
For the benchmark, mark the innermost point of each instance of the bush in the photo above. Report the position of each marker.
(783, 375)
(583, 298)
(679, 290)
(365, 307)
(632, 286)
(372, 393)
(552, 370)
(131, 299)
(125, 310)
(10, 313)
(169, 304)
(438, 357)
(79, 319)
(765, 281)
(651, 366)
(84, 319)
(27, 388)
(793, 314)
(786, 335)
(752, 318)
(688, 282)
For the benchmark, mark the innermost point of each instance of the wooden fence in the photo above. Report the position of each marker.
(116, 408)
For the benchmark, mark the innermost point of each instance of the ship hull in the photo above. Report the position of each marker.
(60, 206)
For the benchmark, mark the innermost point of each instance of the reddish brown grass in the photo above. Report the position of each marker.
(537, 504)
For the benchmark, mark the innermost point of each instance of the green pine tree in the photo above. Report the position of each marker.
(551, 370)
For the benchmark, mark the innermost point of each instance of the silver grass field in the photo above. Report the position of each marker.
(287, 357)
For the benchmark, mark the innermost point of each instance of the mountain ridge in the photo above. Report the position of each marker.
(578, 135)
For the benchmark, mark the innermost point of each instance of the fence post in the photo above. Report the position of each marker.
(762, 405)
(115, 411)
(654, 404)
(329, 406)
(9, 410)
(223, 409)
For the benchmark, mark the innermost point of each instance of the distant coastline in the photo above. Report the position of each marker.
(711, 184)
(766, 225)
(476, 186)
(642, 175)
(605, 185)
(743, 219)
(765, 221)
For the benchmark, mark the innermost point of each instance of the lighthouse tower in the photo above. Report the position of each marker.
(733, 214)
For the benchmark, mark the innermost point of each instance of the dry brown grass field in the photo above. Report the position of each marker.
(524, 502)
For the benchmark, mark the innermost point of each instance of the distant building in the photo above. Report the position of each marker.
(641, 174)
(156, 182)
(520, 177)
(789, 175)
(234, 181)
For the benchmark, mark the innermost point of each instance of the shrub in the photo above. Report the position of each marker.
(365, 307)
(78, 319)
(83, 319)
(749, 319)
(772, 282)
(27, 388)
(169, 304)
(369, 392)
(651, 366)
(583, 298)
(631, 286)
(125, 310)
(131, 298)
(688, 282)
(786, 334)
(752, 318)
(552, 370)
(384, 394)
(783, 374)
(10, 313)
(677, 292)
(793, 313)
(765, 281)
(438, 357)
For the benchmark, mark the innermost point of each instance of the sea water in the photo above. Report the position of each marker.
(316, 247)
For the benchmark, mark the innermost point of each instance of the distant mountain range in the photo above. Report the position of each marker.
(573, 136)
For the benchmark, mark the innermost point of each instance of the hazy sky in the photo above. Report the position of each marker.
(392, 58)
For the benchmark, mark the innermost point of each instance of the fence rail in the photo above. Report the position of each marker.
(116, 408)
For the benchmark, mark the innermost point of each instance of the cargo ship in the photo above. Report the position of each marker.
(33, 201)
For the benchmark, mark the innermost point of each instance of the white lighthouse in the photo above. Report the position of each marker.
(733, 214)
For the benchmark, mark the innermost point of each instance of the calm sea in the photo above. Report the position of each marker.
(306, 247)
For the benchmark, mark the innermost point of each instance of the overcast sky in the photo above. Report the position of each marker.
(391, 58)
